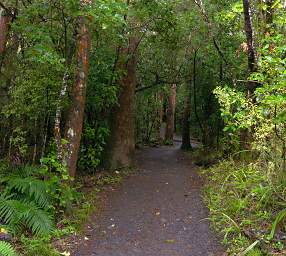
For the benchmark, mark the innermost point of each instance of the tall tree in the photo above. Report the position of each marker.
(121, 144)
(170, 126)
(75, 117)
(245, 135)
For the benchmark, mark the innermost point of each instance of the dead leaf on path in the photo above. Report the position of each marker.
(65, 253)
(170, 241)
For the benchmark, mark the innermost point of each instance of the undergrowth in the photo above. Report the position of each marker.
(247, 205)
(40, 210)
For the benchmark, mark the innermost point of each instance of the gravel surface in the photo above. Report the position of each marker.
(156, 212)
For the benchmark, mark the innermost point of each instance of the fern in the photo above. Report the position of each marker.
(6, 249)
(38, 220)
(16, 214)
(30, 187)
(27, 171)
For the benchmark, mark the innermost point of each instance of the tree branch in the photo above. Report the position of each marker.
(4, 7)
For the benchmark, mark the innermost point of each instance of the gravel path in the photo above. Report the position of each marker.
(156, 212)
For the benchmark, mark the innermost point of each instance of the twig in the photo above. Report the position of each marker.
(249, 81)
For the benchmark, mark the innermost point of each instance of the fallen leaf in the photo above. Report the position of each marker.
(170, 241)
(65, 253)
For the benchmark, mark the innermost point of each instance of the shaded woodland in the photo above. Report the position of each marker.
(84, 84)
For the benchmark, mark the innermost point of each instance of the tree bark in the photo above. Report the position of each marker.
(170, 126)
(195, 95)
(58, 118)
(161, 115)
(245, 136)
(186, 137)
(5, 20)
(74, 124)
(252, 54)
(121, 143)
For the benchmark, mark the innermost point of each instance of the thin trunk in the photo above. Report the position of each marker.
(46, 127)
(63, 91)
(252, 54)
(186, 137)
(195, 94)
(121, 143)
(245, 136)
(170, 126)
(161, 115)
(35, 143)
(57, 127)
(75, 117)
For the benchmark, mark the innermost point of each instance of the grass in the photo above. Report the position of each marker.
(244, 200)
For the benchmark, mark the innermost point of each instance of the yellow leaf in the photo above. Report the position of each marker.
(65, 253)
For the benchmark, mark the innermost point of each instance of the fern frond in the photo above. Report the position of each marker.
(9, 210)
(39, 221)
(26, 171)
(7, 249)
(34, 188)
(16, 214)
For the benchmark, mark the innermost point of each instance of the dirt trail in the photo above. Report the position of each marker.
(157, 212)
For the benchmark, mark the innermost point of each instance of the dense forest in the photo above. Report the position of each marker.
(84, 84)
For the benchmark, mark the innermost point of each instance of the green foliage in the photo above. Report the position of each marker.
(279, 218)
(243, 199)
(16, 213)
(93, 143)
(7, 249)
(38, 246)
(148, 106)
(58, 183)
(25, 202)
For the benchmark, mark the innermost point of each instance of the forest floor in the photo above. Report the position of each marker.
(158, 211)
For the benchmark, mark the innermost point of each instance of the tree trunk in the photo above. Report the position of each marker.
(195, 95)
(161, 115)
(252, 54)
(186, 137)
(58, 118)
(170, 126)
(5, 20)
(121, 143)
(245, 136)
(75, 117)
